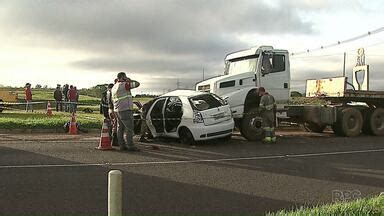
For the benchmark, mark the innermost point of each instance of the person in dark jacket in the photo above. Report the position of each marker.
(104, 105)
(58, 95)
(267, 107)
(65, 93)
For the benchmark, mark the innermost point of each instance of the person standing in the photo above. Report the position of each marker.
(144, 130)
(104, 105)
(77, 95)
(65, 93)
(72, 99)
(267, 109)
(123, 107)
(28, 97)
(58, 95)
(112, 116)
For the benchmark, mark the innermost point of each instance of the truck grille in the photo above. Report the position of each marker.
(204, 88)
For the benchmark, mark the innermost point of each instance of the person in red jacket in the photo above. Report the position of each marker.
(72, 95)
(28, 97)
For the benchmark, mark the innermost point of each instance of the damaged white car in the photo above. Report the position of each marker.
(190, 116)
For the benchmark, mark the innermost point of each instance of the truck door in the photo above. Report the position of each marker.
(275, 75)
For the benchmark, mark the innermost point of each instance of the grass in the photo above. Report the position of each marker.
(22, 120)
(16, 118)
(366, 206)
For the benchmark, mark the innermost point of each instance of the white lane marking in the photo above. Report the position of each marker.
(191, 161)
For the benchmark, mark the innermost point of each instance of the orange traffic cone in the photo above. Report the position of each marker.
(105, 141)
(72, 125)
(49, 109)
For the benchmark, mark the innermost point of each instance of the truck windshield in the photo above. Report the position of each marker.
(241, 65)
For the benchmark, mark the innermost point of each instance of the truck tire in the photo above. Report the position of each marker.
(366, 124)
(313, 127)
(376, 122)
(251, 126)
(336, 127)
(1, 105)
(351, 122)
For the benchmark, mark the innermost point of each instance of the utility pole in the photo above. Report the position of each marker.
(203, 73)
(345, 55)
(178, 84)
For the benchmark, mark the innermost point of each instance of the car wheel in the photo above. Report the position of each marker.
(186, 136)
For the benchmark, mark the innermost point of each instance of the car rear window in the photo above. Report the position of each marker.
(205, 102)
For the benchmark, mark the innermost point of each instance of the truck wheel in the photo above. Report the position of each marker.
(376, 122)
(251, 126)
(1, 105)
(336, 129)
(336, 126)
(367, 122)
(238, 123)
(351, 122)
(313, 127)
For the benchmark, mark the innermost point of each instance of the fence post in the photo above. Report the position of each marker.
(115, 198)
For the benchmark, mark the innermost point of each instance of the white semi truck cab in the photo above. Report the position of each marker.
(351, 107)
(245, 71)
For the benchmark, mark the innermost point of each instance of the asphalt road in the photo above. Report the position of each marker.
(66, 175)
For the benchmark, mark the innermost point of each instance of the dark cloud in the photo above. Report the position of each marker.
(168, 26)
(168, 37)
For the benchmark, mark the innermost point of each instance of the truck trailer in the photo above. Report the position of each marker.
(351, 108)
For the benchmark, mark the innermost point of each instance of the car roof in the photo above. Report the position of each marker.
(185, 93)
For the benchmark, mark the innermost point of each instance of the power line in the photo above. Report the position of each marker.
(340, 42)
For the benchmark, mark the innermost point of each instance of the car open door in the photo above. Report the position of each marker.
(173, 112)
(155, 117)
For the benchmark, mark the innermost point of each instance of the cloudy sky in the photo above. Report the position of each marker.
(162, 42)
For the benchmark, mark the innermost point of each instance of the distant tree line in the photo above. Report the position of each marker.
(97, 91)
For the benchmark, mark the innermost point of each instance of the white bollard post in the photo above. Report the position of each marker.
(115, 188)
